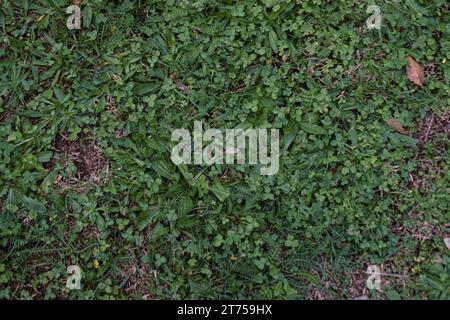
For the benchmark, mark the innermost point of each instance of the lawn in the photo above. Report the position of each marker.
(87, 179)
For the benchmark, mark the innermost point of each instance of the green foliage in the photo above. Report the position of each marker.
(139, 226)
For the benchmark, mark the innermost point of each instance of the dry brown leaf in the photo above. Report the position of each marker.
(397, 126)
(415, 72)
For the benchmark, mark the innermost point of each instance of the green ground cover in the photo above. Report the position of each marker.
(86, 178)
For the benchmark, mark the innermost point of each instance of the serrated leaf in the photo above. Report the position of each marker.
(414, 72)
(159, 231)
(312, 128)
(220, 191)
(163, 170)
(34, 205)
(185, 205)
(143, 220)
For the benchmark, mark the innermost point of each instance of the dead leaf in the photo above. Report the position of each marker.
(397, 126)
(415, 72)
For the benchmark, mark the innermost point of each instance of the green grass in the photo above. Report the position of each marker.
(86, 177)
